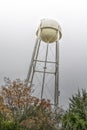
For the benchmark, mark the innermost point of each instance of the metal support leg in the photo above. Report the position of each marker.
(56, 95)
(35, 61)
(44, 72)
(31, 64)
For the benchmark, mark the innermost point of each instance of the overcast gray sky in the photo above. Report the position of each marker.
(19, 20)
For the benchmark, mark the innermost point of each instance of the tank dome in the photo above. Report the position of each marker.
(49, 31)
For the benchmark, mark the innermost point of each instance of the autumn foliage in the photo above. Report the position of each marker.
(17, 105)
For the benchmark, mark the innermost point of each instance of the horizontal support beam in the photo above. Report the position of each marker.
(46, 61)
(43, 72)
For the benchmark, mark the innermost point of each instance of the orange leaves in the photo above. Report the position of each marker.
(16, 93)
(16, 96)
(45, 104)
(2, 106)
(39, 115)
(4, 109)
(1, 99)
(29, 111)
(18, 105)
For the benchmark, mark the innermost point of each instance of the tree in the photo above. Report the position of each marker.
(6, 122)
(5, 112)
(39, 117)
(17, 97)
(76, 117)
(27, 111)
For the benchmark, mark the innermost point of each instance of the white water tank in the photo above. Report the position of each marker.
(49, 31)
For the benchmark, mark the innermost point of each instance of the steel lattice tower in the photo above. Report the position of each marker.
(48, 36)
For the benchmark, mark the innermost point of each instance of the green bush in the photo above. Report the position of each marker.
(6, 125)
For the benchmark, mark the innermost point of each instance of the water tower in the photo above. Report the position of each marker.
(45, 56)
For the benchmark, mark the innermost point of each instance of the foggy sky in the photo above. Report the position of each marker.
(19, 21)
